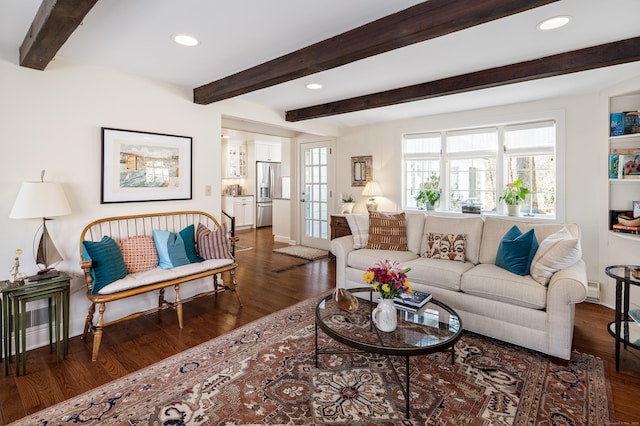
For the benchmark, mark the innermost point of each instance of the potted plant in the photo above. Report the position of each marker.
(514, 194)
(429, 193)
(347, 204)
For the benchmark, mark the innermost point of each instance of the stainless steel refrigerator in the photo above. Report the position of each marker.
(268, 187)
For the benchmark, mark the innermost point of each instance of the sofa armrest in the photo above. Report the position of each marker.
(566, 288)
(341, 247)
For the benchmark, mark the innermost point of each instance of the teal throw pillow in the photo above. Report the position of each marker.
(171, 251)
(188, 235)
(107, 263)
(516, 251)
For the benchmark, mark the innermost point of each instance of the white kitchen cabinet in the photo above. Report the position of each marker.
(268, 151)
(241, 208)
(235, 159)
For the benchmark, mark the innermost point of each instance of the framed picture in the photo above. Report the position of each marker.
(361, 170)
(144, 166)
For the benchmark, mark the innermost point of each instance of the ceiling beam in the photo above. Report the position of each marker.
(424, 21)
(604, 55)
(55, 21)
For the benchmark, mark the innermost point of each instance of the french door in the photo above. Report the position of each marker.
(316, 164)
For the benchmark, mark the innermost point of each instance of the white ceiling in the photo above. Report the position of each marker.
(135, 36)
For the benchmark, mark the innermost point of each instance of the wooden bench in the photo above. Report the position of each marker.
(124, 227)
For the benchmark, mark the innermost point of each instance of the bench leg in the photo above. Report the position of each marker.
(97, 336)
(178, 304)
(234, 284)
(88, 323)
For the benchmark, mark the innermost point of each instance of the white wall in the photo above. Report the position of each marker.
(585, 161)
(51, 120)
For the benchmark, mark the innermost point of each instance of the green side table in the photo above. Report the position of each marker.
(14, 308)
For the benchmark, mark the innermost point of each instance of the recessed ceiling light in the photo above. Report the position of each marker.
(553, 23)
(185, 40)
(314, 86)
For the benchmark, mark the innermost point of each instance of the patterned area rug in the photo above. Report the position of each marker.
(265, 372)
(303, 252)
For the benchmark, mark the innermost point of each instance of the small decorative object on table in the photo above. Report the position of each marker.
(345, 300)
(413, 301)
(390, 280)
(347, 204)
(15, 276)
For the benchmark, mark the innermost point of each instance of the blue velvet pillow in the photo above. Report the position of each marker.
(107, 262)
(516, 251)
(171, 251)
(188, 235)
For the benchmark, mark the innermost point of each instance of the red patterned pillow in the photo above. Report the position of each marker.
(139, 253)
(444, 246)
(213, 244)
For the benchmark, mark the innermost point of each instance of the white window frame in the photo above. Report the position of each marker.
(557, 116)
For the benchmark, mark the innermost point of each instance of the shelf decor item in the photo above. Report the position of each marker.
(390, 280)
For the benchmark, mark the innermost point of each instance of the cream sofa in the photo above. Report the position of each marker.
(489, 299)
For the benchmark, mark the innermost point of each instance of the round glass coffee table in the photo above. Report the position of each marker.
(434, 328)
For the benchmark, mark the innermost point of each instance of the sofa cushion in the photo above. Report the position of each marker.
(493, 282)
(157, 275)
(415, 230)
(359, 226)
(366, 258)
(139, 253)
(558, 251)
(213, 244)
(516, 250)
(170, 246)
(444, 246)
(437, 272)
(492, 233)
(189, 238)
(470, 226)
(387, 231)
(107, 264)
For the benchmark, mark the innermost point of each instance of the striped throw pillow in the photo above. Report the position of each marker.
(387, 231)
(213, 244)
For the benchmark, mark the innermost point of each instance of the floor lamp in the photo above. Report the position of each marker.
(42, 200)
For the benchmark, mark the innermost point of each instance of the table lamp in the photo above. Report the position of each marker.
(372, 189)
(42, 200)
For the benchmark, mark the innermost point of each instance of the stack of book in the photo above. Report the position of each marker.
(412, 302)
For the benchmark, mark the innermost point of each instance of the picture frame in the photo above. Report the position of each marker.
(361, 170)
(144, 166)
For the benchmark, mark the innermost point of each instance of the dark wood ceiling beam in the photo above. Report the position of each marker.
(55, 21)
(604, 55)
(424, 21)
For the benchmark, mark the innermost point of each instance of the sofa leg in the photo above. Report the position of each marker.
(178, 305)
(97, 336)
(161, 298)
(88, 323)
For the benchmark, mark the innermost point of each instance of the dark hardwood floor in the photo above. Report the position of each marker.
(267, 283)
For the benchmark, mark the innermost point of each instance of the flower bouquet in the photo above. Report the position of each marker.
(388, 278)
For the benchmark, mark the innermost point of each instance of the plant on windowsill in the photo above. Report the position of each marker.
(429, 193)
(513, 195)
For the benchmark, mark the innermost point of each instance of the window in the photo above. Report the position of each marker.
(478, 163)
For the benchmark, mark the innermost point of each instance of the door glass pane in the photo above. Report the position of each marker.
(316, 195)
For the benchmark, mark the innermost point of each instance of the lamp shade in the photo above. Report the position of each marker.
(40, 199)
(372, 189)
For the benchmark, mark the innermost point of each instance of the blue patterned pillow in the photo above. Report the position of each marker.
(171, 251)
(188, 235)
(516, 251)
(107, 263)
